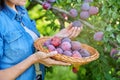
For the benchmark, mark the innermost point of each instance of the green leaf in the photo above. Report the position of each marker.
(78, 1)
(118, 38)
(68, 1)
(118, 60)
(109, 28)
(118, 73)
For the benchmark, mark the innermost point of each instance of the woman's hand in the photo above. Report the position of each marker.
(46, 59)
(52, 62)
(71, 31)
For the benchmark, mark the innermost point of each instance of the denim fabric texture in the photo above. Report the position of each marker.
(15, 43)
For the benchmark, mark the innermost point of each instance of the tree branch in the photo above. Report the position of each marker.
(66, 12)
(114, 44)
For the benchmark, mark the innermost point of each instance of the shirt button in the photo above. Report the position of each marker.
(18, 19)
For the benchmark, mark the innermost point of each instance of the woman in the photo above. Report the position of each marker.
(17, 35)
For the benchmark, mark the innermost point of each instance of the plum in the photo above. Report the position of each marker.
(85, 6)
(66, 45)
(98, 36)
(114, 53)
(73, 12)
(67, 53)
(56, 41)
(76, 45)
(76, 54)
(76, 24)
(84, 15)
(59, 50)
(88, 0)
(75, 70)
(47, 42)
(46, 5)
(93, 10)
(66, 39)
(84, 53)
(51, 48)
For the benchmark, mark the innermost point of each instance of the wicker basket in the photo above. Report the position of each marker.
(75, 61)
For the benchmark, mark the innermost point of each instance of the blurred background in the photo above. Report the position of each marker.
(107, 20)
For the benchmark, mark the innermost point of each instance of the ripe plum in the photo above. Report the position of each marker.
(73, 12)
(76, 24)
(76, 45)
(84, 15)
(65, 45)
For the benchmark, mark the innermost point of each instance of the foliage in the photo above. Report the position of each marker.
(107, 20)
(60, 73)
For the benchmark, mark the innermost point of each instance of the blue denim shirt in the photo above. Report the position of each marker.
(15, 43)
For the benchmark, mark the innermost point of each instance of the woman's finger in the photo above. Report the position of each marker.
(61, 63)
(51, 62)
(69, 32)
(51, 54)
(55, 62)
(69, 27)
(78, 31)
(74, 32)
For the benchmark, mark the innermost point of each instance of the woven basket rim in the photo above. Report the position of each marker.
(94, 53)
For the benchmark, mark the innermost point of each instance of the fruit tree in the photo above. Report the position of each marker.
(101, 21)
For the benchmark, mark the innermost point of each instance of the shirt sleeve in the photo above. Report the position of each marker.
(1, 37)
(1, 47)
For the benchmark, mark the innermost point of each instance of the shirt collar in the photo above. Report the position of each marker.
(12, 14)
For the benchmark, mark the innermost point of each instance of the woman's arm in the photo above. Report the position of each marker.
(38, 57)
(13, 72)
